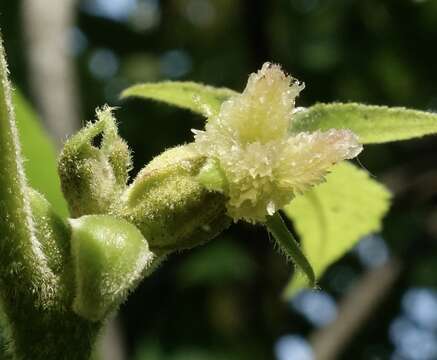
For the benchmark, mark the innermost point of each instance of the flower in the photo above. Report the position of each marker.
(265, 167)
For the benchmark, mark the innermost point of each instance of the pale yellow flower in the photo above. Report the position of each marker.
(263, 165)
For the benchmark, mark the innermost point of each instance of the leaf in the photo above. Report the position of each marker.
(332, 217)
(52, 232)
(40, 155)
(372, 124)
(199, 98)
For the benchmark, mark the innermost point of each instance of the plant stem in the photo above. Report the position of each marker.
(35, 301)
(287, 243)
(24, 269)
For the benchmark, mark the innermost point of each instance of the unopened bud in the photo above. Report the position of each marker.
(94, 175)
(109, 257)
(173, 210)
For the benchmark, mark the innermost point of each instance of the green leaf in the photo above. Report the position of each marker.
(52, 232)
(40, 154)
(332, 217)
(199, 98)
(372, 124)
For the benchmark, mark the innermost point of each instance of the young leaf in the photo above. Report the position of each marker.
(333, 216)
(52, 232)
(372, 124)
(40, 155)
(199, 98)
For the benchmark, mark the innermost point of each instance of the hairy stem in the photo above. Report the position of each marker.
(24, 270)
(287, 243)
(35, 301)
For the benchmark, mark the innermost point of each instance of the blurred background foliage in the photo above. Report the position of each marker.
(223, 300)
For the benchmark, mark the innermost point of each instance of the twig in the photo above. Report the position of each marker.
(354, 309)
(47, 25)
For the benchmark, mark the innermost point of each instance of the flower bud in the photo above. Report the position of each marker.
(173, 210)
(109, 257)
(94, 175)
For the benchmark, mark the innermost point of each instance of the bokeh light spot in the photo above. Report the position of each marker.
(372, 251)
(146, 16)
(201, 13)
(175, 63)
(103, 63)
(412, 342)
(117, 10)
(293, 347)
(420, 305)
(318, 307)
(78, 41)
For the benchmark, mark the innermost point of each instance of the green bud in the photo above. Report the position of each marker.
(173, 210)
(110, 256)
(93, 176)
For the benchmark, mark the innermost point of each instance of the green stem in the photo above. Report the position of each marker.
(37, 307)
(24, 267)
(288, 244)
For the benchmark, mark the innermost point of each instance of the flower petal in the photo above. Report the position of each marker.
(264, 167)
(308, 156)
(263, 111)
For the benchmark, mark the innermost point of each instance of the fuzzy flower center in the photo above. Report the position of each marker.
(263, 165)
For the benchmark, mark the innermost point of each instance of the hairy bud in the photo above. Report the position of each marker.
(173, 210)
(109, 257)
(94, 175)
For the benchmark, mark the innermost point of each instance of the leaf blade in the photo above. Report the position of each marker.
(203, 99)
(372, 124)
(333, 216)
